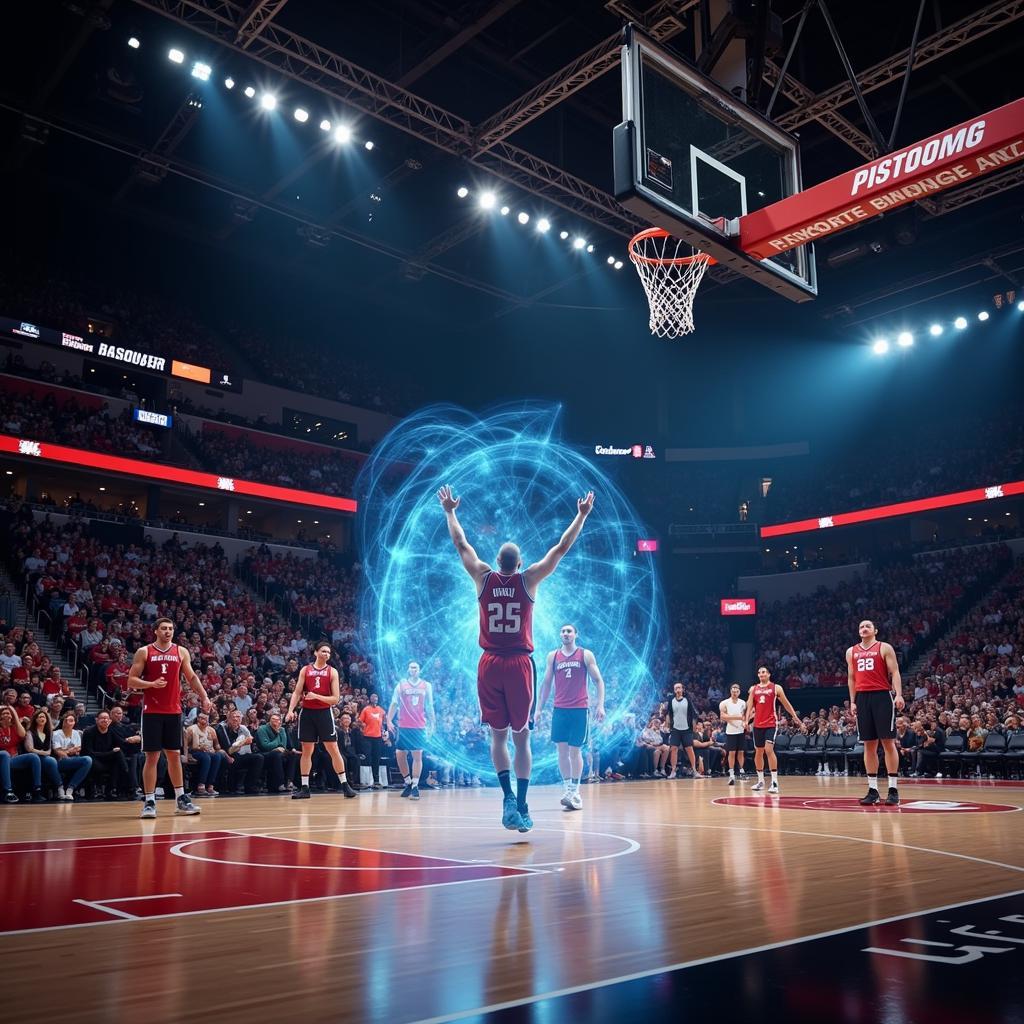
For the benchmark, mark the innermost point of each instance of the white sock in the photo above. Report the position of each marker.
(305, 781)
(893, 782)
(179, 791)
(872, 782)
(151, 798)
(732, 773)
(407, 779)
(415, 784)
(760, 775)
(775, 778)
(342, 778)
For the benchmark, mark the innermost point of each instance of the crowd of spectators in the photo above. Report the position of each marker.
(77, 423)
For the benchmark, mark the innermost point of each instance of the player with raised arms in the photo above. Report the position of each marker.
(506, 674)
(157, 669)
(762, 701)
(413, 701)
(872, 674)
(319, 689)
(568, 668)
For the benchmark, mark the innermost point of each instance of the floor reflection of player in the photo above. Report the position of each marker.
(413, 702)
(568, 669)
(506, 673)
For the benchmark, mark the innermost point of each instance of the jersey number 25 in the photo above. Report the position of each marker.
(503, 618)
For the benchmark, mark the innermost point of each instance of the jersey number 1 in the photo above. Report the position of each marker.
(511, 622)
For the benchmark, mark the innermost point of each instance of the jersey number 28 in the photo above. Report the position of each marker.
(503, 618)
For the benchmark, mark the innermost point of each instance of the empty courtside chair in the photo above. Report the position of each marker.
(855, 757)
(1014, 754)
(782, 746)
(952, 757)
(794, 752)
(993, 754)
(832, 751)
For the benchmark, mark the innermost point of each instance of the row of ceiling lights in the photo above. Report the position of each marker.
(487, 200)
(905, 339)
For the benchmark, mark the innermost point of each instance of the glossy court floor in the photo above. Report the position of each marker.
(657, 896)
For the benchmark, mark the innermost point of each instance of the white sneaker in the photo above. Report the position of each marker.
(773, 788)
(60, 792)
(575, 801)
(732, 780)
(148, 809)
(757, 786)
(566, 800)
(69, 794)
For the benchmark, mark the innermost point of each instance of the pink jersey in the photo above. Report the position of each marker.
(570, 679)
(166, 665)
(412, 703)
(506, 614)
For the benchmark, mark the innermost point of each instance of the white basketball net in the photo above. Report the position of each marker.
(670, 271)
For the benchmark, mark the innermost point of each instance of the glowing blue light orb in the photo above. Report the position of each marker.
(517, 481)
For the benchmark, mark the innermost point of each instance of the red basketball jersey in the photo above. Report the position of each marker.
(318, 680)
(870, 671)
(764, 706)
(570, 679)
(163, 700)
(506, 615)
(412, 704)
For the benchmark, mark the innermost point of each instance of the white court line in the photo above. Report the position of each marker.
(253, 906)
(41, 849)
(631, 844)
(120, 914)
(651, 972)
(104, 905)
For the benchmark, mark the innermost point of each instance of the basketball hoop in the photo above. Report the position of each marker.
(670, 271)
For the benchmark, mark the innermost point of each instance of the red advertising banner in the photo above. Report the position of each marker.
(902, 508)
(738, 606)
(647, 545)
(171, 474)
(975, 148)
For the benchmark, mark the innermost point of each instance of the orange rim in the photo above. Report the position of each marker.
(676, 261)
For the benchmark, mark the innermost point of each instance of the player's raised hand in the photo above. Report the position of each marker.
(448, 500)
(585, 505)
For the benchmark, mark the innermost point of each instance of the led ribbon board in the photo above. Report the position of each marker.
(903, 508)
(518, 481)
(47, 452)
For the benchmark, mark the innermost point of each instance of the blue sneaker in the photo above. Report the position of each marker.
(510, 815)
(525, 821)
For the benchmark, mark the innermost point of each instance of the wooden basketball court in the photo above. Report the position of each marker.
(378, 909)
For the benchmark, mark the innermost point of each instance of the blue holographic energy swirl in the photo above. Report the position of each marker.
(517, 481)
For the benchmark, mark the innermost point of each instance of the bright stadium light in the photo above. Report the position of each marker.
(325, 125)
(523, 217)
(201, 71)
(905, 339)
(960, 323)
(134, 43)
(590, 248)
(543, 225)
(618, 264)
(983, 315)
(1020, 305)
(487, 200)
(462, 192)
(578, 242)
(268, 101)
(368, 144)
(610, 261)
(504, 211)
(176, 56)
(880, 347)
(229, 82)
(302, 116)
(935, 330)
(250, 91)
(342, 134)
(563, 235)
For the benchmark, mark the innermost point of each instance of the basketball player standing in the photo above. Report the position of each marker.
(506, 673)
(732, 711)
(319, 689)
(569, 667)
(762, 699)
(413, 700)
(157, 669)
(872, 674)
